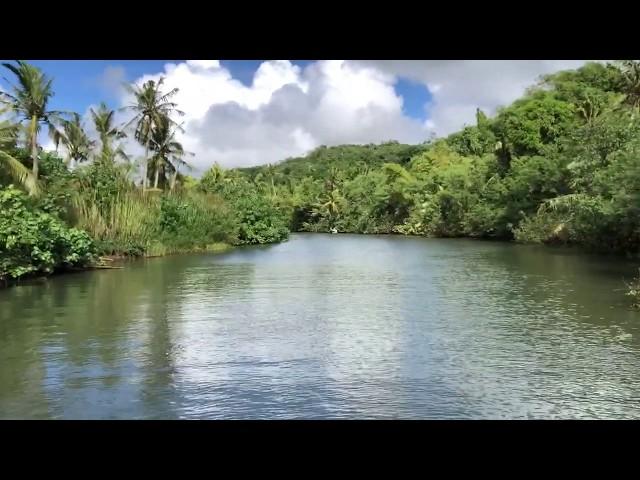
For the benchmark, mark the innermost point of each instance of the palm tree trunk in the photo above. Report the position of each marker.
(173, 179)
(144, 166)
(157, 175)
(33, 132)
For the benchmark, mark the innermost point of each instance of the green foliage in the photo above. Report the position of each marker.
(28, 101)
(194, 220)
(35, 242)
(261, 216)
(529, 124)
(477, 140)
(347, 160)
(104, 180)
(259, 220)
(124, 224)
(75, 139)
(12, 169)
(58, 184)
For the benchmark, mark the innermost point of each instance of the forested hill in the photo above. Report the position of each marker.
(561, 164)
(350, 159)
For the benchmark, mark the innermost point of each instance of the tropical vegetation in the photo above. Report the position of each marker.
(560, 165)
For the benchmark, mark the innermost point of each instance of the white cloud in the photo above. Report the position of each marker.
(288, 110)
(459, 87)
(204, 63)
(285, 111)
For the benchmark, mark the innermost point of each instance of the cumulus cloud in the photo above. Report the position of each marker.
(458, 87)
(288, 110)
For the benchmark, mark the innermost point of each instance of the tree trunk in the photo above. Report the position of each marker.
(34, 145)
(157, 175)
(144, 166)
(173, 179)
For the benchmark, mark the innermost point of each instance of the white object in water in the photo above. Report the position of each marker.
(333, 230)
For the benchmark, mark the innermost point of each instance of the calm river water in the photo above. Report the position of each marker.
(328, 327)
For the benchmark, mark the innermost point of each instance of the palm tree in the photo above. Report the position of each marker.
(631, 81)
(329, 205)
(75, 139)
(168, 152)
(29, 100)
(8, 163)
(150, 106)
(334, 178)
(217, 173)
(271, 173)
(103, 121)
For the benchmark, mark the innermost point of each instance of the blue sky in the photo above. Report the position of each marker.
(80, 83)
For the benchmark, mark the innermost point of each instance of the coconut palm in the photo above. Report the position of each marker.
(103, 120)
(271, 173)
(29, 101)
(167, 151)
(329, 206)
(16, 171)
(150, 105)
(334, 178)
(75, 139)
(216, 173)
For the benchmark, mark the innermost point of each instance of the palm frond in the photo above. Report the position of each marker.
(19, 173)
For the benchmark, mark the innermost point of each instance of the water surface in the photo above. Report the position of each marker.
(328, 326)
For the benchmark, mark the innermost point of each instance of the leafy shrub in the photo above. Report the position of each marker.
(259, 221)
(33, 241)
(195, 220)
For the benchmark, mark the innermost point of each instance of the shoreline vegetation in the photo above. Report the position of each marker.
(559, 166)
(109, 262)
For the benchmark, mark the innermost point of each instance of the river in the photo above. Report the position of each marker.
(328, 327)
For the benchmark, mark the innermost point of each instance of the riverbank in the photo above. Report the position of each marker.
(159, 250)
(107, 262)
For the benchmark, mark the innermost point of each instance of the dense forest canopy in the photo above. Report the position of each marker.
(559, 165)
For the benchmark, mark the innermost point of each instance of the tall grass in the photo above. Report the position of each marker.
(154, 223)
(126, 224)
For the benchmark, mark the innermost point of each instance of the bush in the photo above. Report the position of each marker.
(195, 220)
(260, 221)
(136, 223)
(33, 241)
(58, 184)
